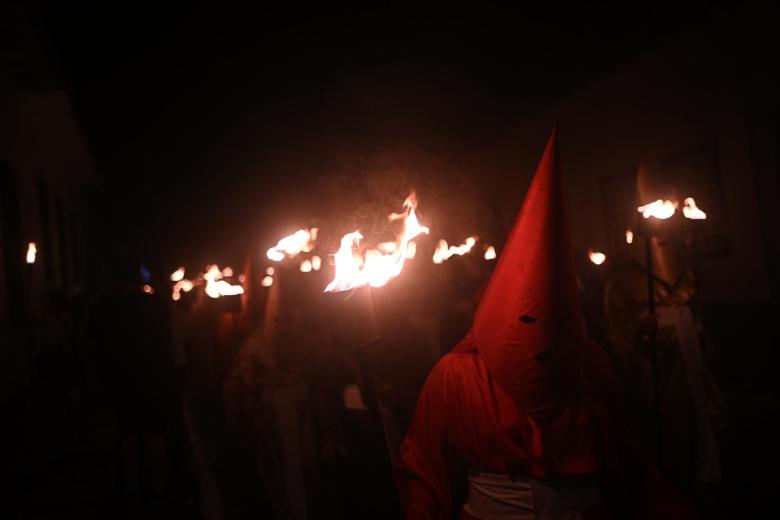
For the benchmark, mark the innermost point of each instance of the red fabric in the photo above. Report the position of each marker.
(528, 326)
(464, 421)
(525, 393)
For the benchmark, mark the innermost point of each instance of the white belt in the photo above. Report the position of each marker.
(499, 497)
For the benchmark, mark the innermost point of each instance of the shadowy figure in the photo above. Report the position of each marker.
(134, 359)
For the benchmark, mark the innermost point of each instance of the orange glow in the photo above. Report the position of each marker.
(444, 252)
(177, 275)
(227, 272)
(596, 257)
(216, 286)
(691, 211)
(661, 209)
(302, 241)
(629, 236)
(490, 253)
(270, 271)
(267, 281)
(181, 285)
(148, 289)
(316, 262)
(306, 266)
(228, 289)
(32, 250)
(376, 267)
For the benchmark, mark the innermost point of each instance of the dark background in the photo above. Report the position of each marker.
(208, 121)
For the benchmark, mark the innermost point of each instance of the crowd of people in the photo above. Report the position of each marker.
(254, 404)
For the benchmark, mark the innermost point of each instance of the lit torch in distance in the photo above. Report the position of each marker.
(445, 252)
(302, 241)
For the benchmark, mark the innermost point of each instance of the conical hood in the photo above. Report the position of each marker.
(528, 327)
(667, 264)
(646, 186)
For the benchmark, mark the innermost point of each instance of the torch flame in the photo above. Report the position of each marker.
(292, 245)
(661, 209)
(490, 253)
(32, 250)
(629, 236)
(216, 286)
(596, 257)
(444, 252)
(691, 211)
(177, 275)
(148, 289)
(228, 289)
(378, 266)
(181, 285)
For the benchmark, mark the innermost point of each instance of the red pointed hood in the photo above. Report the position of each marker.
(527, 327)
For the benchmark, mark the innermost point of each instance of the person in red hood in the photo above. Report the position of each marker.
(526, 409)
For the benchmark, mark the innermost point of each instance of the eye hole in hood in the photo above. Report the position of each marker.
(545, 356)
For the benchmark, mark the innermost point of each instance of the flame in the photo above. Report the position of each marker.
(270, 271)
(387, 247)
(227, 272)
(316, 262)
(32, 250)
(490, 253)
(181, 285)
(227, 289)
(377, 266)
(292, 245)
(629, 236)
(177, 275)
(216, 286)
(596, 257)
(267, 281)
(691, 211)
(444, 252)
(148, 289)
(661, 209)
(306, 266)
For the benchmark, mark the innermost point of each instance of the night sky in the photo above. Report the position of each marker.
(214, 128)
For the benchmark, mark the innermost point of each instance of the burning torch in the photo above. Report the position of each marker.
(652, 215)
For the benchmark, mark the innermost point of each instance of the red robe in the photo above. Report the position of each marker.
(465, 421)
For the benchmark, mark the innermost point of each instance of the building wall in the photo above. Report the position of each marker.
(676, 105)
(45, 168)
